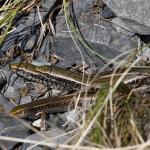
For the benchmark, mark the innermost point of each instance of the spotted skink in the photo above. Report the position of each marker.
(58, 104)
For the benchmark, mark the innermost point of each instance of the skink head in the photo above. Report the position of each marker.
(23, 66)
(18, 112)
(17, 66)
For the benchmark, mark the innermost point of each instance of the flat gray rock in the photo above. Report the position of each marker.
(81, 6)
(12, 128)
(7, 105)
(66, 50)
(135, 14)
(56, 135)
(107, 13)
(102, 36)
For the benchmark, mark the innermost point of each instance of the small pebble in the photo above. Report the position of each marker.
(23, 91)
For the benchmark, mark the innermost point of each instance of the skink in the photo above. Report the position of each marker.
(58, 104)
(58, 78)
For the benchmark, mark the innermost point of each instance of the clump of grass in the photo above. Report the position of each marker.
(122, 120)
(126, 126)
(8, 13)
